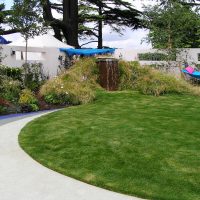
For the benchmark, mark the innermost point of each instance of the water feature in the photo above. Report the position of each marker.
(108, 73)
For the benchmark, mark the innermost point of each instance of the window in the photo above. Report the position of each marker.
(30, 56)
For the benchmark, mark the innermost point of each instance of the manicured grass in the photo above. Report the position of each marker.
(130, 143)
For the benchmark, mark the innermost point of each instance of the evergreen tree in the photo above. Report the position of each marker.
(67, 26)
(4, 15)
(117, 14)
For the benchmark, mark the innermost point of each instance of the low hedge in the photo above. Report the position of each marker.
(156, 57)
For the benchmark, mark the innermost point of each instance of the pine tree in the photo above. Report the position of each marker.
(4, 16)
(117, 14)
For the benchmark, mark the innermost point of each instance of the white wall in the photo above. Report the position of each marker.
(47, 56)
(186, 55)
(189, 55)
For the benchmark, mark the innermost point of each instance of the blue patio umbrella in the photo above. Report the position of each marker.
(3, 40)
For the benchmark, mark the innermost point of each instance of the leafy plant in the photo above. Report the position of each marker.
(34, 76)
(28, 101)
(150, 81)
(9, 88)
(74, 86)
(156, 83)
(13, 72)
(60, 99)
(3, 109)
(156, 57)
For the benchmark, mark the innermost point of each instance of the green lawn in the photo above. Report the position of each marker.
(139, 145)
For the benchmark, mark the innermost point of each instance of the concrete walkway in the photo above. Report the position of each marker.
(5, 119)
(22, 178)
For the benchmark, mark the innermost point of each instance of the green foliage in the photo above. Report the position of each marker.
(34, 76)
(156, 83)
(172, 25)
(149, 81)
(126, 74)
(3, 109)
(13, 72)
(26, 17)
(57, 99)
(28, 101)
(74, 86)
(156, 57)
(114, 13)
(27, 97)
(4, 25)
(9, 88)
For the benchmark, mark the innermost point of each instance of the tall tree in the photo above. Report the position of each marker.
(117, 14)
(70, 19)
(68, 25)
(4, 15)
(173, 24)
(26, 18)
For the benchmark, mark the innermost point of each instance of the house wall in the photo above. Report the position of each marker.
(15, 57)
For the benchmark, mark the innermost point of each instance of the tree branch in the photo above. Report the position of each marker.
(89, 42)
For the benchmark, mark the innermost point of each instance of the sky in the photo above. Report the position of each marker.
(129, 40)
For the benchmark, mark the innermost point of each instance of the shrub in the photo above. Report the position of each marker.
(149, 81)
(129, 73)
(3, 109)
(3, 106)
(34, 76)
(74, 86)
(156, 83)
(28, 101)
(157, 56)
(9, 89)
(57, 99)
(125, 74)
(8, 107)
(13, 72)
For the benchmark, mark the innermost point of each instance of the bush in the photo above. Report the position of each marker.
(9, 89)
(129, 73)
(74, 86)
(34, 76)
(3, 109)
(149, 81)
(157, 57)
(156, 83)
(57, 99)
(28, 101)
(4, 106)
(12, 72)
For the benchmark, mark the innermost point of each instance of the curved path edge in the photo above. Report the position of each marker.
(22, 178)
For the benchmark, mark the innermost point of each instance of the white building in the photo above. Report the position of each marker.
(41, 49)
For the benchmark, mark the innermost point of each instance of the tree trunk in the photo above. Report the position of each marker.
(169, 36)
(100, 27)
(70, 19)
(26, 40)
(48, 17)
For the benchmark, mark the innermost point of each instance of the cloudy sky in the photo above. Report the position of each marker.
(129, 40)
